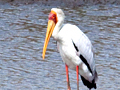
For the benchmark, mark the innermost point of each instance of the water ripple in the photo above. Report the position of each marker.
(23, 29)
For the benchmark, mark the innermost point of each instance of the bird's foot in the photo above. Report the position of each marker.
(68, 89)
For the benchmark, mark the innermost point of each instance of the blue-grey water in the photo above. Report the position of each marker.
(22, 34)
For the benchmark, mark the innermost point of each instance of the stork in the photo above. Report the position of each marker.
(74, 47)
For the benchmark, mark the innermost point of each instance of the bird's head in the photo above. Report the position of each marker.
(54, 17)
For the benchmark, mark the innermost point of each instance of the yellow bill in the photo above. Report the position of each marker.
(50, 28)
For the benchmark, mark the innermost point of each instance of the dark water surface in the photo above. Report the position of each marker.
(22, 34)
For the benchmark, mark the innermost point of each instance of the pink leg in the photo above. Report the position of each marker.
(67, 75)
(77, 73)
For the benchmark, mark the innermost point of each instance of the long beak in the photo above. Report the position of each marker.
(50, 28)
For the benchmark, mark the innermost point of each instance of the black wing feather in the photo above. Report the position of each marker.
(82, 58)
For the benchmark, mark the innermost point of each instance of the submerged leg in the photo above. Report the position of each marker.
(77, 73)
(67, 75)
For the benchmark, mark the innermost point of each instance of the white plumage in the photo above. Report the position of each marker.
(67, 35)
(75, 48)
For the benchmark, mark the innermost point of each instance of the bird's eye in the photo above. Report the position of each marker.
(53, 16)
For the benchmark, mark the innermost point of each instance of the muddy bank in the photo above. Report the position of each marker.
(63, 2)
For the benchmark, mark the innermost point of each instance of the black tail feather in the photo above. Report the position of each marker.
(89, 84)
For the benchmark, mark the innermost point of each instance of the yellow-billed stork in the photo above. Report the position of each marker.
(74, 46)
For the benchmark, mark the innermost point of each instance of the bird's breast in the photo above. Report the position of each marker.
(68, 55)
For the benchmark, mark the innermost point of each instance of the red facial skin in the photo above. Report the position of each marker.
(53, 16)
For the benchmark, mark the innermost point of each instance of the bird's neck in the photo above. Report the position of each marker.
(57, 29)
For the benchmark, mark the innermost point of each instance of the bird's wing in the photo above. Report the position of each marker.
(83, 47)
(81, 43)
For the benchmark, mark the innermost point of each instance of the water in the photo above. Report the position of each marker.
(22, 34)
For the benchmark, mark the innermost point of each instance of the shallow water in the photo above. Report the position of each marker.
(22, 34)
